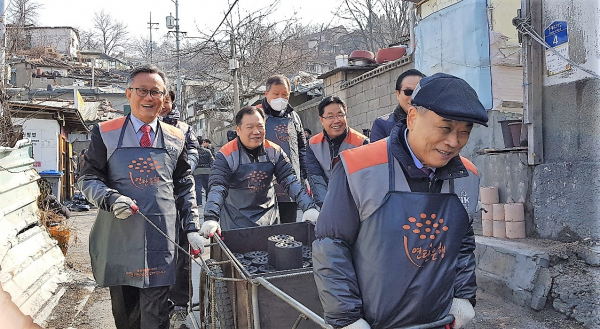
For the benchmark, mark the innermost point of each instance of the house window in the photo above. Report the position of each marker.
(201, 124)
(13, 77)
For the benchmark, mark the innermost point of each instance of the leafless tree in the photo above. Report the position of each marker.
(112, 33)
(140, 48)
(264, 47)
(22, 12)
(379, 22)
(88, 40)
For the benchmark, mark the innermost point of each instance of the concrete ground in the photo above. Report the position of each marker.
(87, 306)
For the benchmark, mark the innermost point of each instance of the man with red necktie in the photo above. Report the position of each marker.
(137, 163)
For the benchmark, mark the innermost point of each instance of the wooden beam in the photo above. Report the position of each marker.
(533, 53)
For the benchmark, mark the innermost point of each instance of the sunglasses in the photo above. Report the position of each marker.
(408, 92)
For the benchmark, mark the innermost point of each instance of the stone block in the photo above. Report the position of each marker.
(526, 271)
(357, 88)
(491, 260)
(369, 94)
(371, 116)
(374, 104)
(385, 102)
(360, 98)
(590, 255)
(539, 296)
(521, 297)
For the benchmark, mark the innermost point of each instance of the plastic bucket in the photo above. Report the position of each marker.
(507, 133)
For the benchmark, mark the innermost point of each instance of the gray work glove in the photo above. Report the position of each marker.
(463, 312)
(196, 242)
(124, 207)
(360, 324)
(209, 228)
(310, 215)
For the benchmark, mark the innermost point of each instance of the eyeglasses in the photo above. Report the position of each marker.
(339, 117)
(143, 92)
(408, 92)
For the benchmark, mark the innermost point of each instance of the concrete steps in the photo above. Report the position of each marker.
(538, 273)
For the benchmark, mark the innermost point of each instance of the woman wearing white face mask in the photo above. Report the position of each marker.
(283, 126)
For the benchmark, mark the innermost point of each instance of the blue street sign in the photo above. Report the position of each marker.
(556, 34)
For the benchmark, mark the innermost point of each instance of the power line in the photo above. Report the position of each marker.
(216, 30)
(524, 27)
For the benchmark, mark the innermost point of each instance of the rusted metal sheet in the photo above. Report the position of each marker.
(31, 263)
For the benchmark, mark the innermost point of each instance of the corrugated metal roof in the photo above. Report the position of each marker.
(32, 264)
(73, 121)
(99, 111)
(50, 62)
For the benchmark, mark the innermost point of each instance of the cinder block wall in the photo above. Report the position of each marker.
(372, 94)
(368, 96)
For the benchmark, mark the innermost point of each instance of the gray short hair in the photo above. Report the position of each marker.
(421, 109)
(147, 68)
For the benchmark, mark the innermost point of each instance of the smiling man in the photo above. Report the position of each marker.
(241, 179)
(324, 148)
(392, 218)
(139, 163)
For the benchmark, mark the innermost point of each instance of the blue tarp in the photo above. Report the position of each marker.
(456, 40)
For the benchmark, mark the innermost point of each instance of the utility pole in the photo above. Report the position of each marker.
(3, 45)
(178, 68)
(151, 26)
(533, 78)
(234, 65)
(93, 70)
(174, 23)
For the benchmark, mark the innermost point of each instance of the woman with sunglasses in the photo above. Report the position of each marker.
(405, 85)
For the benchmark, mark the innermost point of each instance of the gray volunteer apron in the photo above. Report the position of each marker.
(131, 252)
(410, 244)
(277, 130)
(251, 200)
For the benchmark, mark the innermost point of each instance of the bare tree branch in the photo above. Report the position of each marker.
(23, 12)
(112, 33)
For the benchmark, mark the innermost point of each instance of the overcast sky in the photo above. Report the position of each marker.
(193, 14)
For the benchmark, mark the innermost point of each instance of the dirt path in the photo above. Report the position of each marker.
(84, 305)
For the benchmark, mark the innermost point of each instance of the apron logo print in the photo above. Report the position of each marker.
(281, 133)
(140, 171)
(427, 230)
(256, 181)
(464, 199)
(145, 272)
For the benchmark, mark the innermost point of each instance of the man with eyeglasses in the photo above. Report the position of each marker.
(138, 163)
(394, 242)
(405, 85)
(324, 148)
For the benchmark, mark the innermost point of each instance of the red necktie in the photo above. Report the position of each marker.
(145, 141)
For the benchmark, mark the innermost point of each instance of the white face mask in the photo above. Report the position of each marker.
(279, 104)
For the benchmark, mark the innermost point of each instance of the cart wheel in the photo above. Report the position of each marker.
(223, 310)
